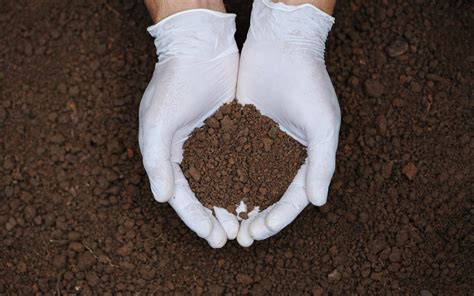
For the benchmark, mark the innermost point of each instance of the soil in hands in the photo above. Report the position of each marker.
(240, 155)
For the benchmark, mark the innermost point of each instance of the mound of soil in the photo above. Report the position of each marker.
(240, 155)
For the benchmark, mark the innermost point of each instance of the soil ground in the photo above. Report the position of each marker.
(77, 215)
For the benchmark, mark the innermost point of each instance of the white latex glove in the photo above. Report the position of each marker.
(283, 73)
(195, 75)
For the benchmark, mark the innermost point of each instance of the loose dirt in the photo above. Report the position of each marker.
(77, 215)
(240, 155)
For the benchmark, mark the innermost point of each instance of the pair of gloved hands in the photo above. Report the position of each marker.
(282, 72)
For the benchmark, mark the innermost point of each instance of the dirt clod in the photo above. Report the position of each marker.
(410, 170)
(194, 173)
(85, 261)
(243, 215)
(335, 276)
(395, 255)
(425, 293)
(244, 279)
(397, 48)
(374, 88)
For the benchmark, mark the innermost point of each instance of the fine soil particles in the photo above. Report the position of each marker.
(77, 216)
(240, 155)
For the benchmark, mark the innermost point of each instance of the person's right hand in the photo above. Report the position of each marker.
(195, 75)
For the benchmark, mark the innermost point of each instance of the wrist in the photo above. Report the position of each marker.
(160, 9)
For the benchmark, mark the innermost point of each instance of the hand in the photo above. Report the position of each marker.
(283, 73)
(196, 73)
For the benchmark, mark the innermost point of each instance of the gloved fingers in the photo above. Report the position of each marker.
(321, 166)
(188, 207)
(161, 178)
(218, 236)
(228, 221)
(190, 210)
(258, 228)
(278, 216)
(194, 214)
(243, 237)
(155, 145)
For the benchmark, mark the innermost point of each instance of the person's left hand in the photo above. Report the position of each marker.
(283, 73)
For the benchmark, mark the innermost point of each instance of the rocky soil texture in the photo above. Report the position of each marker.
(239, 156)
(77, 215)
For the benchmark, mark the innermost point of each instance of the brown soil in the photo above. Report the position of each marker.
(240, 155)
(77, 215)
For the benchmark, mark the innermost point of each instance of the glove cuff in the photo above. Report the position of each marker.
(301, 27)
(286, 7)
(197, 33)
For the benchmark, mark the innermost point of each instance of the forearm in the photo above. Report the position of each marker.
(325, 5)
(160, 9)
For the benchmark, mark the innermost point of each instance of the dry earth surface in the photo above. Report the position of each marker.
(77, 215)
